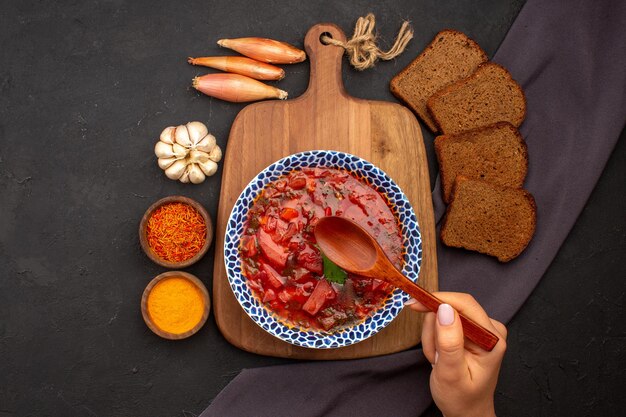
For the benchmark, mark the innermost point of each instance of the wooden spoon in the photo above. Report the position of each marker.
(349, 246)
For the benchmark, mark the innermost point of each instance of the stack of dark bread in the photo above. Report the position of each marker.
(477, 107)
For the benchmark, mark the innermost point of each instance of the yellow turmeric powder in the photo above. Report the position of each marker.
(175, 305)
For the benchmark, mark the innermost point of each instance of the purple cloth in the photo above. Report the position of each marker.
(570, 59)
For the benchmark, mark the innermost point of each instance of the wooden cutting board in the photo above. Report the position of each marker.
(324, 117)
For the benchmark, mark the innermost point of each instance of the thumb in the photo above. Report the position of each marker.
(450, 364)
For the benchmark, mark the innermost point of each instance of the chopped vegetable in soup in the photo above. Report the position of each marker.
(284, 266)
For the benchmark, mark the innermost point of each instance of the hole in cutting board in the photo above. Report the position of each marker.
(330, 35)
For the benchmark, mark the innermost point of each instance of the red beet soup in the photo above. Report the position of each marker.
(283, 264)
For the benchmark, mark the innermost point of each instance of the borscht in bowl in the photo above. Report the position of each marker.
(278, 273)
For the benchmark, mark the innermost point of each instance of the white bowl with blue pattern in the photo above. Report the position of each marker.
(268, 320)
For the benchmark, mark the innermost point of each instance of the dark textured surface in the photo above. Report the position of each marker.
(85, 89)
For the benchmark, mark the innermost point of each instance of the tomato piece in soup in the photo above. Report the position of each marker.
(273, 277)
(322, 292)
(273, 251)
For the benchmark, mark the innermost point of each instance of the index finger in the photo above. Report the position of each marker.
(464, 304)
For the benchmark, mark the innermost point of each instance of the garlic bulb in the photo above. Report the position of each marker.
(188, 153)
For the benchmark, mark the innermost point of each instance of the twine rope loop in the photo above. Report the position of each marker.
(362, 48)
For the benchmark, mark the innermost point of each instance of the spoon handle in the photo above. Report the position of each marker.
(472, 330)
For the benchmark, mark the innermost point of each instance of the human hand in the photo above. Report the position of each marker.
(464, 376)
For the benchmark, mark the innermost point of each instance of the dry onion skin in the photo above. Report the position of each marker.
(188, 153)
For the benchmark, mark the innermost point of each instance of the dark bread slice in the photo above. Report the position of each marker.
(491, 219)
(495, 153)
(487, 96)
(450, 56)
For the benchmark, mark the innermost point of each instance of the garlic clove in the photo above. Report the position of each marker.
(198, 156)
(196, 175)
(180, 151)
(185, 177)
(165, 163)
(206, 144)
(167, 135)
(182, 136)
(176, 170)
(209, 167)
(216, 154)
(197, 131)
(163, 150)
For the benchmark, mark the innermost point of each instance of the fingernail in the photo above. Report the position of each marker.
(410, 301)
(445, 314)
(436, 356)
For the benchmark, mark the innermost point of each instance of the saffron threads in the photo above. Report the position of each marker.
(176, 232)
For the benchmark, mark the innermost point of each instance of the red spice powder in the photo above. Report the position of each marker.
(176, 232)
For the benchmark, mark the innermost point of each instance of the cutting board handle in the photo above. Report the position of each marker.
(325, 61)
